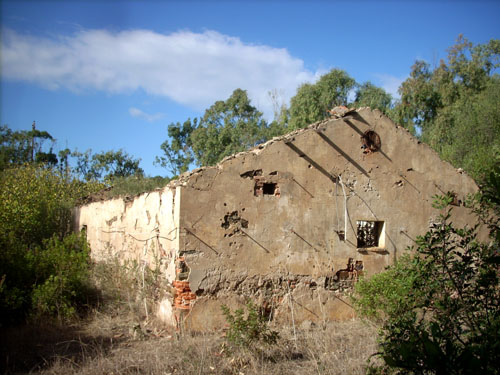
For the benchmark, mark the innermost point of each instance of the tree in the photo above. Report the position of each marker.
(369, 95)
(35, 222)
(454, 107)
(178, 150)
(106, 165)
(20, 147)
(226, 127)
(312, 101)
(111, 164)
(279, 125)
(441, 313)
(467, 132)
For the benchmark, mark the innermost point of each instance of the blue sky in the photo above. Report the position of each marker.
(113, 74)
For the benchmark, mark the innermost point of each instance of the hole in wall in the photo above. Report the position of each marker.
(370, 142)
(266, 188)
(251, 173)
(269, 188)
(83, 231)
(370, 234)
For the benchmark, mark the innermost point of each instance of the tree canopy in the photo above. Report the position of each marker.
(455, 107)
(226, 127)
(20, 147)
(106, 165)
(312, 101)
(369, 95)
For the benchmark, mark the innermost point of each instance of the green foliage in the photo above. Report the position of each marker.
(134, 185)
(36, 202)
(467, 132)
(491, 190)
(369, 95)
(61, 269)
(35, 206)
(226, 127)
(247, 330)
(389, 289)
(20, 147)
(448, 321)
(178, 151)
(312, 101)
(456, 106)
(106, 166)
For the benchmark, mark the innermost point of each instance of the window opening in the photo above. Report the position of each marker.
(370, 142)
(266, 188)
(269, 188)
(370, 234)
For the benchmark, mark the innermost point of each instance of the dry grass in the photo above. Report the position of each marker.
(120, 337)
(119, 345)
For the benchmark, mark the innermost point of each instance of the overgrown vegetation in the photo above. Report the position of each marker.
(44, 267)
(440, 306)
(455, 106)
(108, 345)
(248, 329)
(42, 264)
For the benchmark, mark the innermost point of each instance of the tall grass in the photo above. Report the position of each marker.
(122, 336)
(337, 348)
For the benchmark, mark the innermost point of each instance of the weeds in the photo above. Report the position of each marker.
(247, 331)
(128, 286)
(336, 348)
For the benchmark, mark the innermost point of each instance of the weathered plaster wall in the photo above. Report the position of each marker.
(284, 249)
(271, 223)
(143, 230)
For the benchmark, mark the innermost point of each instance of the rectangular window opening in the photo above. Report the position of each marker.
(266, 188)
(269, 188)
(370, 234)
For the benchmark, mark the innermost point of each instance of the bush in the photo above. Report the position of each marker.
(441, 313)
(390, 289)
(247, 331)
(35, 218)
(62, 268)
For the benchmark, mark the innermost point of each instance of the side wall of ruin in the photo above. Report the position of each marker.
(137, 232)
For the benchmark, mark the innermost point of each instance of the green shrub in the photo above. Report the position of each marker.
(62, 271)
(246, 330)
(35, 218)
(390, 289)
(441, 307)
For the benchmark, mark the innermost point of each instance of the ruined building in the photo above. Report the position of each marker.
(291, 223)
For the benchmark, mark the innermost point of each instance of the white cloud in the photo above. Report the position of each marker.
(136, 112)
(194, 69)
(390, 83)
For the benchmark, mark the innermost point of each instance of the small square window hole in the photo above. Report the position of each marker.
(370, 234)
